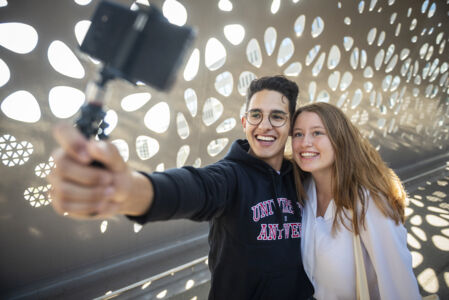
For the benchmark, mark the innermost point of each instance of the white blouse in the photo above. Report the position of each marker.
(329, 260)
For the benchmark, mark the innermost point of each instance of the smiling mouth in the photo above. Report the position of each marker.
(265, 138)
(308, 154)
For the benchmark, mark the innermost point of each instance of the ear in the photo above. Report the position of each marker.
(244, 123)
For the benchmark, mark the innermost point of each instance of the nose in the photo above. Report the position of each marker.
(306, 140)
(265, 123)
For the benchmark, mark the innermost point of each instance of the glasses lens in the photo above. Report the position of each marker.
(277, 119)
(254, 117)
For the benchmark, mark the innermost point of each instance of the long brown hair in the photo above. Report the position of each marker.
(357, 168)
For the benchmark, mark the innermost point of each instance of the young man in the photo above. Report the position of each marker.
(249, 197)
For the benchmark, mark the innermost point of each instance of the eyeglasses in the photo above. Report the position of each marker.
(276, 118)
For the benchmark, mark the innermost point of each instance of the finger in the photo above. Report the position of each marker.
(72, 141)
(69, 170)
(108, 154)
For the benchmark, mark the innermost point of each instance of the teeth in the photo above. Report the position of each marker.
(308, 154)
(265, 138)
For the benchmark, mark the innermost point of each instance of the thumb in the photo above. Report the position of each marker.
(108, 154)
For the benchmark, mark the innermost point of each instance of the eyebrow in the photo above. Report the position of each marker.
(314, 127)
(274, 110)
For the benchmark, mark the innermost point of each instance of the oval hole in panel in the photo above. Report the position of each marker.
(413, 24)
(175, 12)
(135, 101)
(216, 146)
(234, 33)
(439, 38)
(323, 96)
(381, 38)
(183, 154)
(286, 51)
(275, 5)
(312, 91)
(334, 57)
(361, 6)
(368, 72)
(253, 53)
(333, 80)
(389, 54)
(317, 27)
(65, 101)
(342, 99)
(111, 119)
(348, 42)
(215, 54)
(432, 10)
(312, 54)
(146, 147)
(294, 69)
(18, 37)
(212, 111)
(224, 83)
(64, 61)
(182, 126)
(347, 21)
(157, 118)
(191, 101)
(404, 53)
(357, 99)
(13, 107)
(395, 83)
(386, 83)
(363, 58)
(371, 35)
(354, 59)
(319, 65)
(393, 18)
(244, 81)
(4, 73)
(122, 148)
(379, 59)
(225, 5)
(300, 25)
(192, 65)
(424, 6)
(270, 38)
(81, 29)
(392, 64)
(346, 81)
(226, 125)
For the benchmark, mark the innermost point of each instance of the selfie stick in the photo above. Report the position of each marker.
(91, 122)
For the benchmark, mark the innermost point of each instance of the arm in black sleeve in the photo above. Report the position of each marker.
(190, 193)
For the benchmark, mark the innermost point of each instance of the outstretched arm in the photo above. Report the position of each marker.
(84, 191)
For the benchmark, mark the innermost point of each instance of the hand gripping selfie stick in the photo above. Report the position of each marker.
(133, 45)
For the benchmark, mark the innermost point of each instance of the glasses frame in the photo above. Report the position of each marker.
(269, 119)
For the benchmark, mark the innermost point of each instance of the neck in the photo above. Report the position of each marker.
(274, 162)
(324, 194)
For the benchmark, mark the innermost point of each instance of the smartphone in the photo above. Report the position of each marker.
(137, 45)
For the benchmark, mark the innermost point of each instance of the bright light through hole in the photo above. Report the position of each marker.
(3, 3)
(275, 5)
(234, 33)
(175, 12)
(215, 54)
(135, 101)
(225, 5)
(111, 118)
(64, 61)
(65, 101)
(4, 73)
(82, 2)
(81, 29)
(18, 37)
(157, 118)
(21, 106)
(192, 65)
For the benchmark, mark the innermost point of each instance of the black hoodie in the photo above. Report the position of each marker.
(254, 239)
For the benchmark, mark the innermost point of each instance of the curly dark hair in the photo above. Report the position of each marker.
(276, 83)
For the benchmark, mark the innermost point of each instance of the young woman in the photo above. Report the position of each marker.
(343, 174)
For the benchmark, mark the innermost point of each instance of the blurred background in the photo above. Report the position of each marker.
(384, 62)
